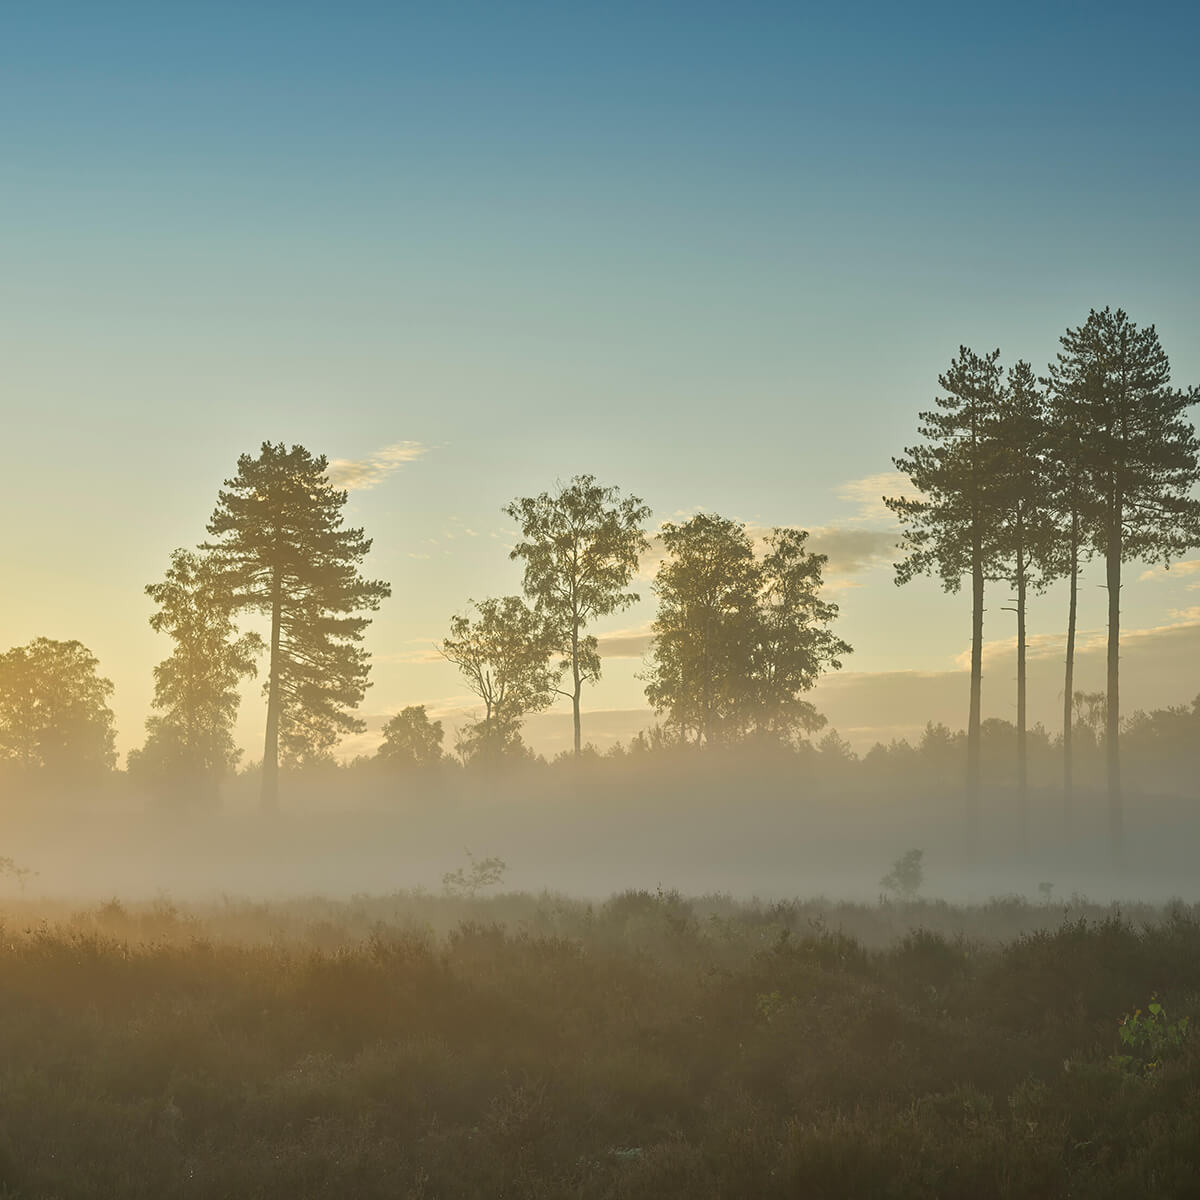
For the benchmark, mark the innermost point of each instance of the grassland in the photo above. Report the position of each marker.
(647, 1046)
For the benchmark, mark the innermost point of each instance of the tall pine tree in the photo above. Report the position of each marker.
(1139, 460)
(949, 531)
(1025, 532)
(283, 550)
(1074, 510)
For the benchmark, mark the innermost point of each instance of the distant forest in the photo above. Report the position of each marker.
(1016, 479)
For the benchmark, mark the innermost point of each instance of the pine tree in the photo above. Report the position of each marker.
(1025, 532)
(283, 550)
(1139, 460)
(190, 742)
(949, 531)
(1074, 512)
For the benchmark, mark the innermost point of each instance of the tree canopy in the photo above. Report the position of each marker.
(580, 545)
(283, 549)
(190, 742)
(738, 638)
(411, 739)
(54, 714)
(505, 655)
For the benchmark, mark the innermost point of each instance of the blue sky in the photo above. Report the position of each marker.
(714, 254)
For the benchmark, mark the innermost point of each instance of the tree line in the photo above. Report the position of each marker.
(741, 633)
(1021, 479)
(1017, 479)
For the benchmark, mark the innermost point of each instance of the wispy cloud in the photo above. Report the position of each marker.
(360, 475)
(851, 550)
(1190, 566)
(868, 492)
(625, 643)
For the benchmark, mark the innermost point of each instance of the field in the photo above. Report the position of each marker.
(647, 1046)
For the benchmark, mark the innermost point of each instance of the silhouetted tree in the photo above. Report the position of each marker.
(738, 639)
(794, 645)
(1139, 458)
(949, 530)
(1074, 510)
(504, 655)
(1026, 536)
(54, 713)
(707, 589)
(284, 551)
(580, 545)
(190, 743)
(411, 739)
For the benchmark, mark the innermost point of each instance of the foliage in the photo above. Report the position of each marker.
(470, 881)
(949, 527)
(1150, 1037)
(54, 713)
(739, 638)
(906, 876)
(190, 744)
(580, 545)
(504, 655)
(151, 1051)
(949, 524)
(283, 549)
(411, 739)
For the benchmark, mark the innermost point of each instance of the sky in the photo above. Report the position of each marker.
(715, 255)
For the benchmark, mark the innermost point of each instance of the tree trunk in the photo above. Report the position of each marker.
(578, 685)
(269, 798)
(1022, 741)
(1112, 731)
(1069, 680)
(973, 722)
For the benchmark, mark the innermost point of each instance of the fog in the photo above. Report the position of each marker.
(768, 823)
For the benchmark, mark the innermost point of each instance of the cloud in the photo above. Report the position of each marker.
(625, 643)
(360, 475)
(868, 492)
(425, 651)
(1188, 567)
(852, 550)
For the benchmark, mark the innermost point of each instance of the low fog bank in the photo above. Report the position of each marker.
(699, 824)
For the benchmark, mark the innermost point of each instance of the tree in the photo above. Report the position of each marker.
(794, 644)
(283, 550)
(1139, 461)
(906, 876)
(504, 654)
(949, 529)
(54, 713)
(411, 739)
(707, 589)
(190, 743)
(1027, 539)
(580, 547)
(1071, 504)
(738, 639)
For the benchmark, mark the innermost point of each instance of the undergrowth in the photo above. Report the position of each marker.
(649, 1046)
